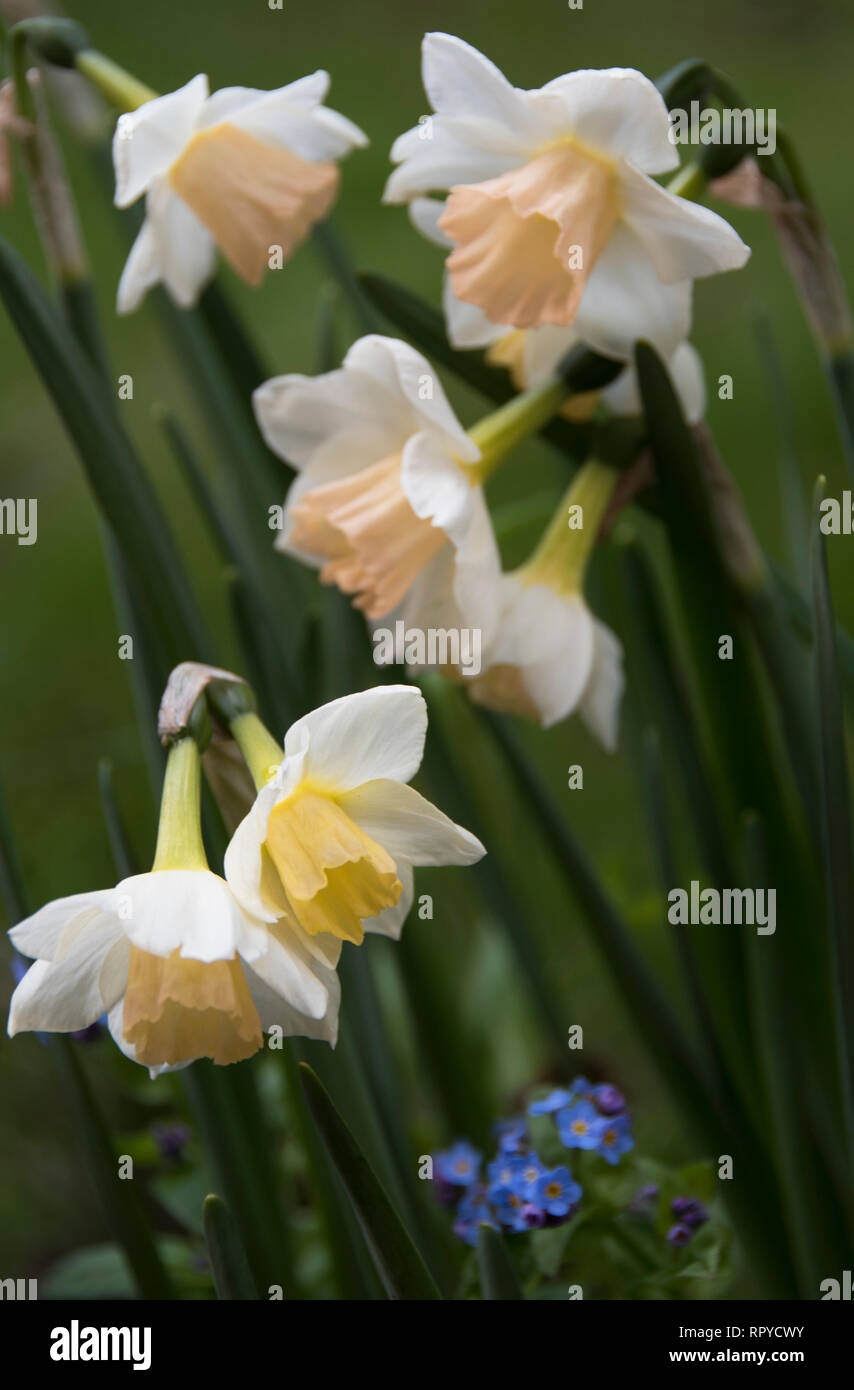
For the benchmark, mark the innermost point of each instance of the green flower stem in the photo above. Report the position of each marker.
(125, 1211)
(498, 434)
(691, 182)
(561, 558)
(780, 1066)
(262, 752)
(119, 87)
(836, 823)
(179, 835)
(231, 1273)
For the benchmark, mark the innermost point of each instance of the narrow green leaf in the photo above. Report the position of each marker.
(641, 993)
(497, 1275)
(231, 1274)
(121, 487)
(230, 1146)
(835, 822)
(398, 1262)
(335, 255)
(470, 801)
(793, 495)
(799, 615)
(125, 1210)
(781, 1068)
(353, 1268)
(124, 857)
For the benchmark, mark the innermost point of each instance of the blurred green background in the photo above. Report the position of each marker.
(64, 695)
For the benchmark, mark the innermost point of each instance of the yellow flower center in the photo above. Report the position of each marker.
(527, 241)
(176, 1010)
(364, 527)
(333, 874)
(251, 195)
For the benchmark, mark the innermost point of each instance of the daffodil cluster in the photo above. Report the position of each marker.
(557, 236)
(187, 963)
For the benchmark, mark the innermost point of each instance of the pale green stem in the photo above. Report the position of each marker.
(499, 433)
(690, 182)
(262, 752)
(560, 560)
(114, 83)
(179, 834)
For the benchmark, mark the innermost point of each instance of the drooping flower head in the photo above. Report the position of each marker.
(179, 967)
(550, 656)
(245, 171)
(387, 503)
(551, 210)
(331, 840)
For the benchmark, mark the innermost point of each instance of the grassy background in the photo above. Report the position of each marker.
(64, 695)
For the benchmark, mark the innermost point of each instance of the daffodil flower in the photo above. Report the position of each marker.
(177, 964)
(551, 656)
(331, 840)
(244, 170)
(531, 355)
(551, 210)
(388, 502)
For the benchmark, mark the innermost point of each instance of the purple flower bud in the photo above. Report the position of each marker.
(690, 1211)
(679, 1235)
(644, 1200)
(171, 1140)
(608, 1100)
(533, 1216)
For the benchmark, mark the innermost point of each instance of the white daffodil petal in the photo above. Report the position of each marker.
(623, 396)
(477, 572)
(599, 706)
(375, 733)
(192, 911)
(409, 826)
(141, 271)
(435, 486)
(686, 369)
(147, 141)
(40, 934)
(259, 893)
(299, 415)
(274, 1011)
(438, 163)
(310, 130)
(424, 214)
(186, 252)
(460, 81)
(404, 372)
(558, 676)
(618, 112)
(684, 240)
(289, 969)
(548, 638)
(625, 300)
(64, 997)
